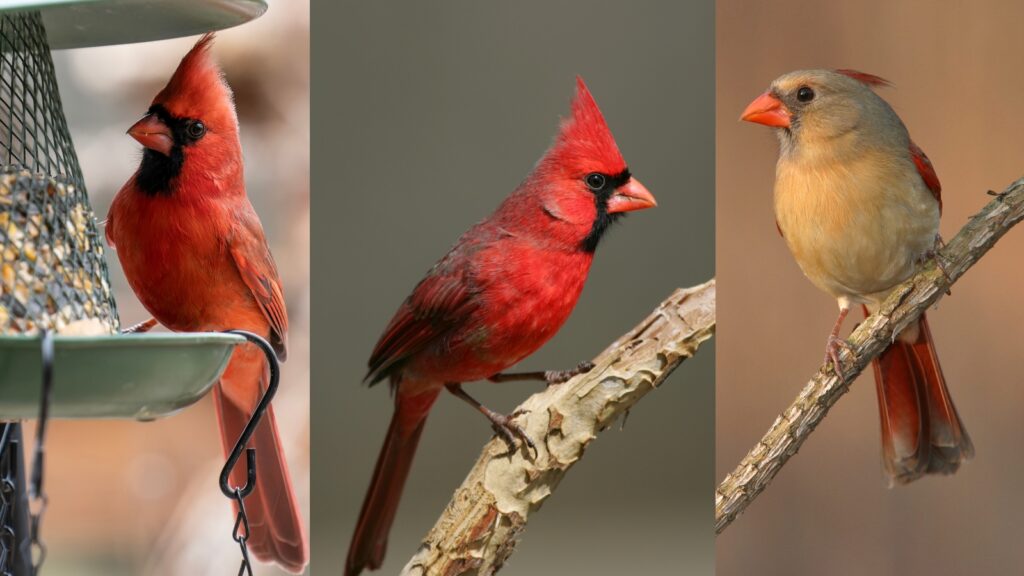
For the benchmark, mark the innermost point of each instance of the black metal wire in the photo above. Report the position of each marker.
(240, 531)
(15, 545)
(36, 493)
(52, 267)
(8, 462)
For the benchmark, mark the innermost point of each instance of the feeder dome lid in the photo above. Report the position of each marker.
(84, 23)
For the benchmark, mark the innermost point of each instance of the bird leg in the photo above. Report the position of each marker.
(834, 343)
(549, 376)
(933, 253)
(503, 425)
(141, 327)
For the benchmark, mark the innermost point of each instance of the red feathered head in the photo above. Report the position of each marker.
(198, 90)
(584, 142)
(581, 183)
(191, 132)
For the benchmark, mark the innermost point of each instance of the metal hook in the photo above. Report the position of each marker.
(44, 414)
(250, 428)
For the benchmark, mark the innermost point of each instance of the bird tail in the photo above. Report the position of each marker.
(276, 532)
(370, 540)
(921, 430)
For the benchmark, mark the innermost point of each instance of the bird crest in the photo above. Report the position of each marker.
(197, 89)
(864, 78)
(584, 138)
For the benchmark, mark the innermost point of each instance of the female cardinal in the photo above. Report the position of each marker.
(193, 251)
(500, 293)
(858, 204)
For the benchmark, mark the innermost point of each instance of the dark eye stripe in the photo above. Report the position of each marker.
(181, 128)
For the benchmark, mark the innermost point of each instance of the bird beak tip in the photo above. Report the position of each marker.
(630, 197)
(152, 133)
(768, 110)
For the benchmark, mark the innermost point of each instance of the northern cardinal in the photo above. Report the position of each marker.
(500, 293)
(858, 204)
(193, 250)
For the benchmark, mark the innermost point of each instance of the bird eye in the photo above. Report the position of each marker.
(595, 181)
(196, 129)
(805, 94)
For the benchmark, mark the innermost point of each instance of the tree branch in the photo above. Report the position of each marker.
(478, 529)
(873, 336)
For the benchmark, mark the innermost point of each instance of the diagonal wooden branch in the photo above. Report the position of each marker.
(904, 306)
(479, 528)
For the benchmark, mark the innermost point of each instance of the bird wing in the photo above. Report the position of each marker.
(441, 301)
(927, 172)
(256, 265)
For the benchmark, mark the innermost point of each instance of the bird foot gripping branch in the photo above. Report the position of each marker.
(935, 253)
(502, 424)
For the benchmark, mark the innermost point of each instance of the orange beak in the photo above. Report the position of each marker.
(768, 110)
(152, 133)
(629, 197)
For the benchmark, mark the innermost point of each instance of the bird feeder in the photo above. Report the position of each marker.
(53, 269)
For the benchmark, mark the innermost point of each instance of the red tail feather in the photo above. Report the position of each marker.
(921, 431)
(275, 527)
(370, 540)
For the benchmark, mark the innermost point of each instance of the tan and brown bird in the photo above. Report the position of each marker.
(858, 204)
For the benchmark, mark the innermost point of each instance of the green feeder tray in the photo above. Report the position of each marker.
(135, 376)
(84, 23)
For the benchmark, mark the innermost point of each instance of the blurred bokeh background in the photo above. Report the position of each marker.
(142, 498)
(427, 116)
(956, 68)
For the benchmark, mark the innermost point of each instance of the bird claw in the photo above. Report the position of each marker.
(141, 327)
(562, 376)
(509, 431)
(933, 254)
(832, 348)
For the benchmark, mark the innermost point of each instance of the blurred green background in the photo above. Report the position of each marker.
(956, 70)
(426, 116)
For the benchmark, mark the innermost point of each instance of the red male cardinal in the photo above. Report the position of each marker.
(500, 293)
(193, 251)
(858, 204)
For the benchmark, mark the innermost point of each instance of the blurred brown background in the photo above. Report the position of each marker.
(142, 498)
(426, 116)
(956, 68)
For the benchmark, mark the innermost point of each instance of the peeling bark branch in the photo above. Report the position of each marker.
(479, 528)
(904, 306)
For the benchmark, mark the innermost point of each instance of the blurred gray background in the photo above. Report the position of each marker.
(425, 117)
(956, 69)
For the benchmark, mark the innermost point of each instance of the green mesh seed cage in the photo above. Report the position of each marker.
(53, 269)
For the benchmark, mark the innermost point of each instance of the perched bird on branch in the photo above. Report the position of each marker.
(193, 250)
(858, 204)
(500, 293)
